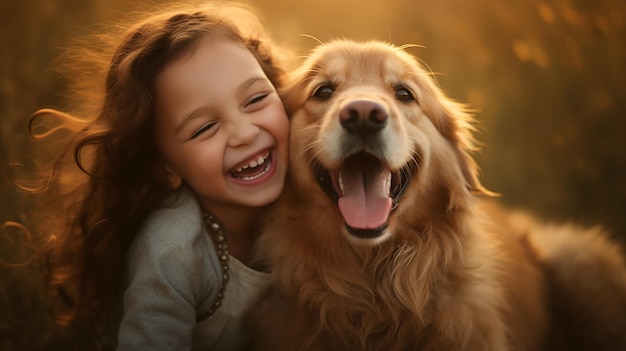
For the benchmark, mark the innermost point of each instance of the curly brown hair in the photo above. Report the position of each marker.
(109, 174)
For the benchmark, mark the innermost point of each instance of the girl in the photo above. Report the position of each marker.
(186, 148)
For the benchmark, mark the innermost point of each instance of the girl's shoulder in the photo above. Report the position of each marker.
(178, 219)
(173, 245)
(176, 231)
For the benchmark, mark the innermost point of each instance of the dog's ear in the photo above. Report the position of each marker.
(454, 121)
(294, 91)
(292, 97)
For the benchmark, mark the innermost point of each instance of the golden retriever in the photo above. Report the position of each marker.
(381, 240)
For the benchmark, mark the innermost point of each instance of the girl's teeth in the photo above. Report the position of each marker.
(259, 161)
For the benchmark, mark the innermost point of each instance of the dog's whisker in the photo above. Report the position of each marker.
(415, 162)
(428, 70)
(319, 41)
(408, 46)
(316, 150)
(310, 77)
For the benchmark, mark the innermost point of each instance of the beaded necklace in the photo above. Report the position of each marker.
(222, 255)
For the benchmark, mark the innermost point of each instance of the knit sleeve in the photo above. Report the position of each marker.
(168, 278)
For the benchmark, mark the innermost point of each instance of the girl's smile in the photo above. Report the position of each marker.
(222, 127)
(254, 171)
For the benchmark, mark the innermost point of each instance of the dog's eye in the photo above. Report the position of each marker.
(324, 92)
(404, 94)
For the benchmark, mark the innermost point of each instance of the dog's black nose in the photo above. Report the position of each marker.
(363, 117)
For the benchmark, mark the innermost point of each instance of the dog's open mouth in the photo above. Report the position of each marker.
(365, 192)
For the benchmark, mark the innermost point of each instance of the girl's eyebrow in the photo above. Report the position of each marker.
(191, 116)
(249, 82)
(242, 87)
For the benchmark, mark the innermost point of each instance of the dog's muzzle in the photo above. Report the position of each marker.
(365, 192)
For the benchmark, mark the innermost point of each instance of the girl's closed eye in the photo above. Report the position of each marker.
(255, 100)
(202, 130)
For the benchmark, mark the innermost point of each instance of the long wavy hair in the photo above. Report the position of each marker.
(108, 174)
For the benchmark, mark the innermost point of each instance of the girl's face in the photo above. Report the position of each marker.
(222, 127)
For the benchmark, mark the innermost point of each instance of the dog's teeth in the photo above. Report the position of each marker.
(340, 181)
(388, 184)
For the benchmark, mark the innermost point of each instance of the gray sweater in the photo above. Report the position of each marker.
(173, 276)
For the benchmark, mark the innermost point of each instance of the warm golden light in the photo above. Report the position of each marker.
(546, 78)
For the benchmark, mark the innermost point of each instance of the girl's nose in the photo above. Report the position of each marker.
(241, 133)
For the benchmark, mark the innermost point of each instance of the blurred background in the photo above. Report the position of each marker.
(547, 77)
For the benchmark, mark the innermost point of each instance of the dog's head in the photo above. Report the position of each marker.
(369, 127)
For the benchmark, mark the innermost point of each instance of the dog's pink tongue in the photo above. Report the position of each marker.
(365, 203)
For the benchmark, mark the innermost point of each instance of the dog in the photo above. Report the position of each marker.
(385, 239)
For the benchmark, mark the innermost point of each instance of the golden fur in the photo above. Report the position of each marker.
(441, 273)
